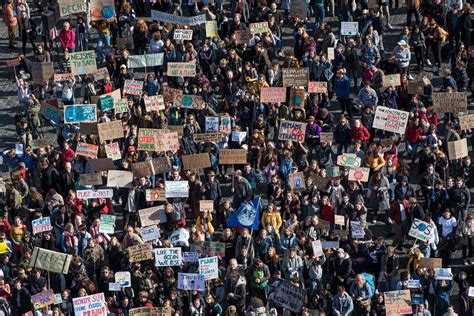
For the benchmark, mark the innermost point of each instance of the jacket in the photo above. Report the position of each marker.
(343, 267)
(9, 14)
(395, 214)
(274, 219)
(342, 87)
(67, 39)
(342, 306)
(359, 134)
(396, 264)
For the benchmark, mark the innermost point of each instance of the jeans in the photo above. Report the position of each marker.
(343, 16)
(414, 11)
(11, 34)
(319, 16)
(103, 39)
(412, 149)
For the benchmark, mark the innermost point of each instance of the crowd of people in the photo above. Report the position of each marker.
(411, 176)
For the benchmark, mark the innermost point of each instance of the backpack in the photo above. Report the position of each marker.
(369, 278)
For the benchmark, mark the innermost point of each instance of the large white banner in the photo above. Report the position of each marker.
(390, 120)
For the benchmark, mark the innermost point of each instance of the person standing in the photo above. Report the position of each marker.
(10, 21)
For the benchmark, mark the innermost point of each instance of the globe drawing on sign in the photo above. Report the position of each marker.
(187, 101)
(246, 215)
(107, 11)
(421, 227)
(358, 175)
(81, 70)
(297, 183)
(297, 100)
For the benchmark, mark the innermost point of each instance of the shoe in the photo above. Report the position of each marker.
(410, 77)
(374, 221)
(428, 62)
(389, 26)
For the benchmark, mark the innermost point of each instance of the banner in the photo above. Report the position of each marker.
(391, 80)
(247, 215)
(102, 9)
(90, 305)
(232, 156)
(211, 29)
(466, 121)
(182, 35)
(194, 102)
(90, 179)
(359, 174)
(154, 103)
(191, 281)
(167, 142)
(348, 160)
(299, 9)
(174, 19)
(113, 151)
(209, 248)
(291, 130)
(107, 224)
(259, 28)
(167, 257)
(150, 233)
(397, 302)
(420, 230)
(143, 61)
(87, 150)
(176, 189)
(295, 77)
(98, 194)
(119, 179)
(209, 268)
(42, 224)
(133, 87)
(41, 72)
(212, 124)
(390, 120)
(140, 252)
(288, 296)
(196, 161)
(78, 113)
(50, 260)
(458, 149)
(43, 299)
(152, 215)
(273, 94)
(317, 87)
(349, 28)
(83, 63)
(449, 102)
(181, 69)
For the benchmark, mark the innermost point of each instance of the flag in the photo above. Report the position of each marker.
(247, 215)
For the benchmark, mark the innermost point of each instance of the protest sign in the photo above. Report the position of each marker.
(125, 42)
(359, 174)
(43, 299)
(140, 252)
(413, 284)
(466, 121)
(194, 102)
(339, 220)
(107, 224)
(183, 35)
(146, 138)
(88, 128)
(13, 62)
(133, 87)
(397, 302)
(150, 311)
(164, 17)
(50, 260)
(207, 137)
(292, 130)
(349, 28)
(90, 305)
(42, 224)
(330, 244)
(320, 182)
(211, 29)
(102, 9)
(196, 161)
(357, 230)
(123, 278)
(181, 69)
(324, 225)
(431, 263)
(167, 257)
(169, 93)
(209, 248)
(232, 156)
(348, 160)
(119, 178)
(114, 286)
(101, 164)
(116, 94)
(259, 28)
(212, 124)
(83, 63)
(191, 281)
(417, 299)
(449, 102)
(143, 61)
(238, 136)
(190, 256)
(206, 206)
(91, 179)
(150, 233)
(87, 150)
(289, 296)
(101, 74)
(299, 9)
(106, 103)
(208, 267)
(41, 72)
(297, 97)
(151, 167)
(331, 53)
(152, 195)
(121, 106)
(167, 142)
(91, 194)
(471, 291)
(297, 181)
(458, 149)
(180, 237)
(317, 87)
(416, 87)
(78, 113)
(273, 94)
(420, 230)
(51, 113)
(63, 77)
(317, 248)
(295, 77)
(175, 189)
(443, 274)
(242, 36)
(390, 120)
(152, 215)
(113, 151)
(154, 103)
(391, 80)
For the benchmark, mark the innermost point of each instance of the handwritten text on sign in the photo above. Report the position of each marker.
(290, 130)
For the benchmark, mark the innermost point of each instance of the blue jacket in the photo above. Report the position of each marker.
(442, 295)
(342, 306)
(342, 87)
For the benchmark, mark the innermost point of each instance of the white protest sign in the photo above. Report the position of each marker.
(471, 291)
(91, 194)
(209, 267)
(443, 274)
(191, 281)
(114, 286)
(119, 178)
(349, 28)
(150, 233)
(420, 230)
(413, 284)
(176, 189)
(90, 305)
(167, 257)
(317, 248)
(42, 224)
(180, 237)
(357, 230)
(212, 124)
(390, 120)
(185, 35)
(123, 278)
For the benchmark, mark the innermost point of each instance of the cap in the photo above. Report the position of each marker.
(211, 173)
(402, 43)
(123, 66)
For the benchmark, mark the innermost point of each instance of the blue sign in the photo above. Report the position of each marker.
(80, 113)
(106, 103)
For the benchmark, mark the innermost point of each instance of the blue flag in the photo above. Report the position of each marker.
(247, 215)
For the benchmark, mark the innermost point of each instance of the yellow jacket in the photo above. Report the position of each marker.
(274, 218)
(374, 161)
(210, 228)
(414, 260)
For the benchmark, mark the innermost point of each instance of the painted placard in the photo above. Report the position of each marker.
(78, 113)
(183, 35)
(398, 302)
(466, 121)
(140, 252)
(288, 296)
(391, 80)
(143, 61)
(232, 156)
(295, 77)
(154, 103)
(150, 233)
(348, 160)
(209, 248)
(87, 150)
(102, 9)
(167, 142)
(113, 151)
(317, 87)
(181, 69)
(119, 178)
(95, 194)
(292, 130)
(50, 260)
(421, 230)
(359, 174)
(83, 63)
(297, 97)
(152, 195)
(194, 102)
(297, 182)
(133, 87)
(191, 281)
(390, 120)
(90, 305)
(43, 299)
(273, 94)
(212, 124)
(42, 224)
(107, 224)
(110, 130)
(209, 267)
(167, 257)
(196, 161)
(177, 189)
(349, 28)
(211, 29)
(259, 28)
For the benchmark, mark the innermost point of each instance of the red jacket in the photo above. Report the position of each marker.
(327, 213)
(361, 134)
(395, 214)
(67, 155)
(414, 133)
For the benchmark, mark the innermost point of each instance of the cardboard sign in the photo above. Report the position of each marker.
(150, 233)
(98, 194)
(415, 87)
(297, 182)
(359, 174)
(116, 94)
(391, 120)
(194, 102)
(133, 87)
(107, 224)
(167, 142)
(102, 9)
(242, 36)
(43, 299)
(297, 97)
(339, 220)
(196, 161)
(348, 160)
(209, 248)
(121, 106)
(391, 80)
(101, 164)
(101, 74)
(167, 257)
(443, 274)
(190, 257)
(91, 179)
(182, 35)
(191, 281)
(209, 268)
(87, 150)
(151, 167)
(78, 113)
(398, 302)
(295, 77)
(88, 128)
(449, 102)
(152, 215)
(152, 195)
(211, 29)
(41, 72)
(140, 252)
(154, 103)
(63, 77)
(177, 189)
(110, 130)
(299, 9)
(232, 156)
(326, 137)
(164, 17)
(50, 260)
(317, 248)
(119, 178)
(212, 124)
(320, 182)
(146, 139)
(207, 137)
(466, 121)
(273, 94)
(42, 224)
(13, 62)
(458, 149)
(357, 230)
(259, 28)
(143, 61)
(292, 130)
(53, 114)
(90, 305)
(330, 244)
(113, 151)
(206, 206)
(169, 93)
(83, 63)
(349, 28)
(431, 263)
(420, 230)
(317, 87)
(288, 296)
(181, 69)
(331, 53)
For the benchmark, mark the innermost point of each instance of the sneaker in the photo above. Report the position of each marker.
(389, 26)
(410, 77)
(428, 62)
